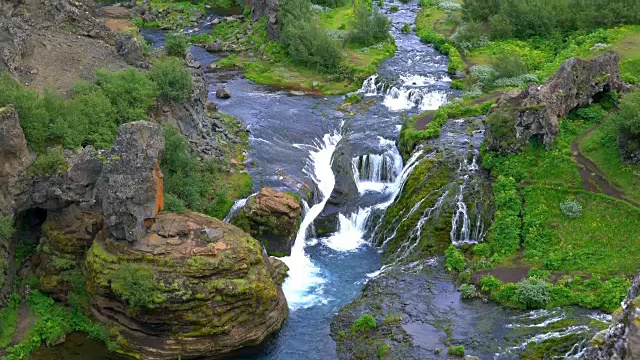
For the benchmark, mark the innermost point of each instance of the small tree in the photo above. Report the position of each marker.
(176, 44)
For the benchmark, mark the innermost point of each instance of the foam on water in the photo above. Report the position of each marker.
(351, 230)
(303, 286)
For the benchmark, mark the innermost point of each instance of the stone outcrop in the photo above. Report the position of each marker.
(223, 93)
(130, 186)
(15, 158)
(204, 288)
(536, 110)
(272, 217)
(130, 48)
(268, 9)
(622, 340)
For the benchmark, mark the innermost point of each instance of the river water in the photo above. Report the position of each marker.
(294, 140)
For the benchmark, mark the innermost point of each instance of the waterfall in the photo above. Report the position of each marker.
(351, 230)
(237, 206)
(304, 277)
(462, 231)
(376, 172)
(410, 92)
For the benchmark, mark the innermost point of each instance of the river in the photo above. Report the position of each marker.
(294, 139)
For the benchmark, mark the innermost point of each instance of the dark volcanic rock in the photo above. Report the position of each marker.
(536, 110)
(268, 9)
(130, 49)
(272, 217)
(130, 185)
(210, 296)
(223, 93)
(15, 158)
(622, 340)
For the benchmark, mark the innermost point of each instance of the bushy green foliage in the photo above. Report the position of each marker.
(393, 8)
(471, 35)
(628, 117)
(508, 65)
(50, 163)
(172, 78)
(6, 228)
(571, 208)
(526, 19)
(533, 293)
(454, 259)
(369, 27)
(457, 350)
(500, 124)
(173, 203)
(468, 291)
(330, 3)
(304, 40)
(176, 44)
(505, 235)
(406, 28)
(9, 319)
(364, 323)
(134, 284)
(130, 92)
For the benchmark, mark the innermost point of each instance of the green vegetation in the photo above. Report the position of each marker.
(468, 291)
(172, 78)
(209, 187)
(50, 163)
(9, 320)
(364, 323)
(176, 44)
(454, 259)
(329, 52)
(134, 284)
(433, 121)
(457, 350)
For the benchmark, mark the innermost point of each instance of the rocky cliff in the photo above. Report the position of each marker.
(622, 340)
(535, 111)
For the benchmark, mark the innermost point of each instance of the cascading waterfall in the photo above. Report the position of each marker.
(377, 172)
(412, 91)
(304, 277)
(351, 230)
(237, 206)
(462, 229)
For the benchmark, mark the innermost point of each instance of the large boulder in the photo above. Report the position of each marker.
(622, 340)
(193, 287)
(130, 186)
(535, 111)
(268, 9)
(272, 217)
(130, 48)
(15, 158)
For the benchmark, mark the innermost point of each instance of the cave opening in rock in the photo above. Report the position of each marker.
(603, 95)
(28, 233)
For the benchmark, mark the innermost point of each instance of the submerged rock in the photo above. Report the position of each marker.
(535, 111)
(180, 292)
(273, 217)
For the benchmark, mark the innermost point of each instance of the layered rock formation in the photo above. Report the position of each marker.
(194, 286)
(535, 111)
(268, 9)
(14, 158)
(622, 340)
(272, 217)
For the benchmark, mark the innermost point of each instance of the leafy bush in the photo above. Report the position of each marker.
(518, 81)
(131, 93)
(50, 163)
(365, 322)
(540, 274)
(173, 203)
(489, 283)
(393, 8)
(471, 35)
(508, 66)
(484, 75)
(456, 350)
(176, 44)
(505, 234)
(468, 291)
(172, 78)
(533, 293)
(406, 28)
(6, 228)
(482, 249)
(134, 284)
(571, 208)
(92, 116)
(454, 259)
(369, 27)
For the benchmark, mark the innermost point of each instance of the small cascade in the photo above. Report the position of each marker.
(463, 230)
(377, 172)
(237, 206)
(351, 231)
(410, 92)
(304, 277)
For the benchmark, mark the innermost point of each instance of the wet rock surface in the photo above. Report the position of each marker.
(209, 295)
(536, 109)
(273, 217)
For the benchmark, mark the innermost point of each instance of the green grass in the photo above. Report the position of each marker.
(9, 320)
(275, 68)
(601, 148)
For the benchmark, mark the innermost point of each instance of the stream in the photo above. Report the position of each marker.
(295, 140)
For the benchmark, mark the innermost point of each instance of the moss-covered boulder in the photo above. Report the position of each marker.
(272, 217)
(193, 287)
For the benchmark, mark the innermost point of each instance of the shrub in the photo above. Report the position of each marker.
(468, 291)
(454, 259)
(50, 163)
(489, 283)
(365, 322)
(533, 293)
(406, 28)
(173, 203)
(176, 44)
(310, 45)
(92, 114)
(483, 74)
(471, 35)
(518, 81)
(6, 228)
(571, 208)
(134, 284)
(508, 66)
(393, 8)
(540, 274)
(369, 27)
(501, 27)
(457, 350)
(130, 92)
(482, 249)
(172, 78)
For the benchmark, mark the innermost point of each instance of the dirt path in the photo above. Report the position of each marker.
(25, 323)
(593, 179)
